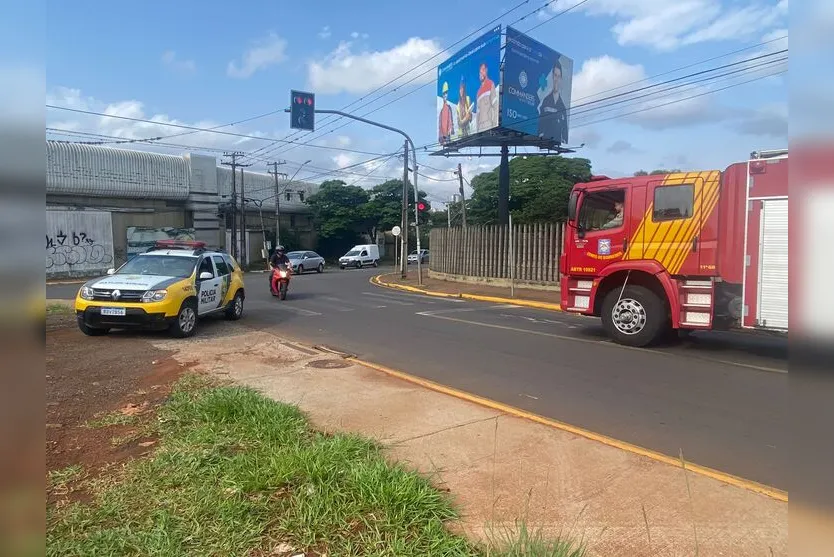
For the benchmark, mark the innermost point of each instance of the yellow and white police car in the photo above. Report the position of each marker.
(171, 286)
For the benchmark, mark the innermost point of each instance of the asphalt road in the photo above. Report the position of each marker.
(719, 398)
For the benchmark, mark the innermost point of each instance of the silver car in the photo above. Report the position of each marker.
(303, 261)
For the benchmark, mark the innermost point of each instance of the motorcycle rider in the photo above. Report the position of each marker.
(278, 259)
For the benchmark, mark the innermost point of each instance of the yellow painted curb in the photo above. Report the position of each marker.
(730, 479)
(477, 297)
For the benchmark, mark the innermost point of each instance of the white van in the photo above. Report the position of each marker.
(359, 256)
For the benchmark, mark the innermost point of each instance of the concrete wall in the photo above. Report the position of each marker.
(78, 243)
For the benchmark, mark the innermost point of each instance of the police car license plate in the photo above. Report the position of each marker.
(113, 311)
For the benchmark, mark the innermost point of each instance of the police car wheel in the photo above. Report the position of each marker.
(320, 268)
(91, 331)
(185, 323)
(235, 309)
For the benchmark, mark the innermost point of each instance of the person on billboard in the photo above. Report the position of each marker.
(487, 102)
(445, 126)
(464, 109)
(553, 114)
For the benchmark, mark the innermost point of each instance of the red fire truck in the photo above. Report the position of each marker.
(651, 255)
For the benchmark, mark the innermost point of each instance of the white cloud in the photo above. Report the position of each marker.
(603, 75)
(345, 71)
(325, 32)
(172, 62)
(344, 159)
(343, 140)
(621, 146)
(263, 54)
(667, 25)
(159, 124)
(766, 121)
(357, 34)
(602, 91)
(587, 137)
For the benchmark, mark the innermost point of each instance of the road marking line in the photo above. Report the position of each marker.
(300, 311)
(389, 299)
(730, 479)
(339, 307)
(461, 310)
(604, 342)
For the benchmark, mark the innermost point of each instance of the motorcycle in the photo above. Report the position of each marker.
(280, 281)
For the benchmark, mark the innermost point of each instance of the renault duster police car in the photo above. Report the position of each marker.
(171, 286)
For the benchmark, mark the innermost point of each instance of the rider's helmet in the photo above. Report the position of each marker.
(279, 249)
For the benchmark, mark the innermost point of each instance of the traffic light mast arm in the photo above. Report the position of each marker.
(414, 159)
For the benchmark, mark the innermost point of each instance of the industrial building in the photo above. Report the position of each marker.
(105, 204)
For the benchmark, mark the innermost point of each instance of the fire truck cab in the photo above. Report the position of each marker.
(702, 250)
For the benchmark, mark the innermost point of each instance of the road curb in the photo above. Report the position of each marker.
(677, 462)
(377, 280)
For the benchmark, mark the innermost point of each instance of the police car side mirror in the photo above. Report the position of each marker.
(205, 275)
(111, 271)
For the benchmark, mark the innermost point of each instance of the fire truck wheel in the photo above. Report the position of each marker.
(635, 318)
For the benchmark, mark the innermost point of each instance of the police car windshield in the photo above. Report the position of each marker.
(162, 265)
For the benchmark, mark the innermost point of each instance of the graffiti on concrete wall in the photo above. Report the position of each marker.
(78, 242)
(140, 238)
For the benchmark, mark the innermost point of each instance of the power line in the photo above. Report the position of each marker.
(710, 92)
(647, 94)
(546, 4)
(333, 118)
(198, 129)
(157, 138)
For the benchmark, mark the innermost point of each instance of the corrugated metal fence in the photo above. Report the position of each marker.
(484, 251)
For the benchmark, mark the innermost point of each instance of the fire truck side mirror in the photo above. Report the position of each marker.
(572, 202)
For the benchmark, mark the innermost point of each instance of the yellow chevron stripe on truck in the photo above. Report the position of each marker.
(670, 241)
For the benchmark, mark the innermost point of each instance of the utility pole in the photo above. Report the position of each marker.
(244, 252)
(462, 196)
(404, 216)
(275, 174)
(234, 164)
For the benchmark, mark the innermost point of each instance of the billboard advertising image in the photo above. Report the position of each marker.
(537, 88)
(467, 89)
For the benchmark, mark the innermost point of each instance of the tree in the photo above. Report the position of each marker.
(539, 190)
(340, 213)
(384, 211)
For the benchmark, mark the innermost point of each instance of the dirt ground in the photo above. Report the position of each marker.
(100, 392)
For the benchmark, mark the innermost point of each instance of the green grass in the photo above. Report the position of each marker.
(59, 309)
(111, 418)
(236, 472)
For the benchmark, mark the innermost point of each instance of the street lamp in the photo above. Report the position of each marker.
(278, 203)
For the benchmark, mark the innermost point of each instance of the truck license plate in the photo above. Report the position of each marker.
(113, 311)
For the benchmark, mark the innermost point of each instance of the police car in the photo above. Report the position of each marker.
(171, 286)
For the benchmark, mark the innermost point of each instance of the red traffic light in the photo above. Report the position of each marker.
(421, 206)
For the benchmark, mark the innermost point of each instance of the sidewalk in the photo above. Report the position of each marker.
(544, 299)
(500, 468)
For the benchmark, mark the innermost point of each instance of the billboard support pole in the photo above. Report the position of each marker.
(405, 181)
(504, 187)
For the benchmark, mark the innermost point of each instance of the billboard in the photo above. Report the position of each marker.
(468, 88)
(537, 88)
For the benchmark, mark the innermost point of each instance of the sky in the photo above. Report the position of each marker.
(208, 64)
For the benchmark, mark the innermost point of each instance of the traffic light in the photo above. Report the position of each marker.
(302, 107)
(421, 206)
